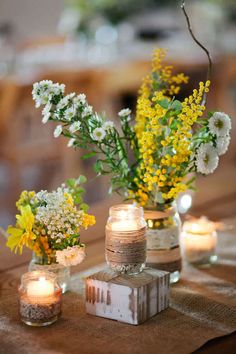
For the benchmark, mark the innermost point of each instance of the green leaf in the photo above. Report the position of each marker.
(70, 182)
(87, 156)
(98, 166)
(164, 103)
(81, 180)
(84, 207)
(176, 105)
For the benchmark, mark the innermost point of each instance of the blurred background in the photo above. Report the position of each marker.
(103, 48)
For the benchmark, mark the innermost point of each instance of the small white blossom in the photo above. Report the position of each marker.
(108, 125)
(46, 113)
(222, 144)
(124, 112)
(206, 159)
(57, 131)
(74, 127)
(219, 124)
(88, 110)
(70, 256)
(65, 101)
(44, 90)
(71, 142)
(70, 113)
(80, 99)
(98, 134)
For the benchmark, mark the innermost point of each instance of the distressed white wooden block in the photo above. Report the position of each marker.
(125, 298)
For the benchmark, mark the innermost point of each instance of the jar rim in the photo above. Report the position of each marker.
(126, 211)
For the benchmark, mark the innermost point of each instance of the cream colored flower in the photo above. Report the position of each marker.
(206, 159)
(98, 134)
(70, 256)
(219, 124)
(222, 144)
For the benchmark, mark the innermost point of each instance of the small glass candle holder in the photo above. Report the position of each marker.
(199, 241)
(40, 298)
(125, 239)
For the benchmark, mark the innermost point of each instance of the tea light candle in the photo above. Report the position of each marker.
(199, 239)
(40, 298)
(125, 239)
(39, 288)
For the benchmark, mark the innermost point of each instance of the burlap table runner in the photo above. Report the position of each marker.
(203, 306)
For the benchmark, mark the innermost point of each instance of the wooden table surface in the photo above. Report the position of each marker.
(12, 266)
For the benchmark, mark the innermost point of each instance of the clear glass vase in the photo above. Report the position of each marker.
(163, 233)
(62, 273)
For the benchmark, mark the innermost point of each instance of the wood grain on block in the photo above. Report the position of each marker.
(125, 298)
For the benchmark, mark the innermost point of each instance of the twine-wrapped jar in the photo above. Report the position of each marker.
(125, 239)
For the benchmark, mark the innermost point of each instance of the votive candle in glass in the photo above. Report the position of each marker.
(199, 241)
(125, 239)
(40, 298)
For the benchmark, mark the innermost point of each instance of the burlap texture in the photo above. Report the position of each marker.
(202, 307)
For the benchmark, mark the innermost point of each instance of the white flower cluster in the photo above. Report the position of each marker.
(71, 109)
(207, 156)
(57, 215)
(43, 91)
(70, 256)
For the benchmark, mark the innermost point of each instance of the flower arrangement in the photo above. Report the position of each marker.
(150, 157)
(49, 223)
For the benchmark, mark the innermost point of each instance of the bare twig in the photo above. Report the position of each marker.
(200, 45)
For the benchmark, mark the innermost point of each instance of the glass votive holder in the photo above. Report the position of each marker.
(40, 298)
(125, 239)
(199, 241)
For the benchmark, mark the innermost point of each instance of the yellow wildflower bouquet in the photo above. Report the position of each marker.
(49, 223)
(150, 157)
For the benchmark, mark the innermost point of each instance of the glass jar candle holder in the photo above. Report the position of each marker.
(40, 298)
(199, 241)
(125, 239)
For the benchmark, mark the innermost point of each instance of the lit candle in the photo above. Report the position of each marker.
(40, 298)
(199, 239)
(125, 239)
(40, 288)
(124, 223)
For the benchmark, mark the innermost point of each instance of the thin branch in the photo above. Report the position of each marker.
(200, 45)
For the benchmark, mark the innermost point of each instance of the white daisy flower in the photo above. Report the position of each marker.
(46, 112)
(206, 159)
(69, 113)
(80, 99)
(70, 256)
(71, 142)
(108, 125)
(219, 124)
(65, 101)
(98, 134)
(44, 90)
(88, 110)
(222, 144)
(124, 112)
(74, 127)
(57, 131)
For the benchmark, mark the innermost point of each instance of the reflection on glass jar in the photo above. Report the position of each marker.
(125, 239)
(163, 251)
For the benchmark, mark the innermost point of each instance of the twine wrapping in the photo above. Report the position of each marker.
(126, 247)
